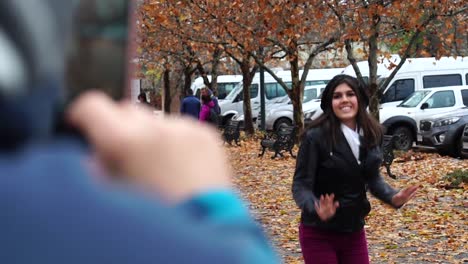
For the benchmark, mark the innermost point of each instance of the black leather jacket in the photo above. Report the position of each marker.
(321, 170)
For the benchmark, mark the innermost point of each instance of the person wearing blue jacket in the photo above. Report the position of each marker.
(190, 105)
(133, 193)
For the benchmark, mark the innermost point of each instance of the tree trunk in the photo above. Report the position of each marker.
(372, 61)
(187, 79)
(246, 82)
(214, 71)
(296, 95)
(167, 91)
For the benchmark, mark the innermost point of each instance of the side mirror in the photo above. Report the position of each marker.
(424, 106)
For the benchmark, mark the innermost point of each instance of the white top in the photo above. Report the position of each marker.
(352, 136)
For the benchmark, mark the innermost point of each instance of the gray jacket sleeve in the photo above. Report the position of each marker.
(380, 188)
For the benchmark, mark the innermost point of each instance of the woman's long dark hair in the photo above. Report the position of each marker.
(331, 125)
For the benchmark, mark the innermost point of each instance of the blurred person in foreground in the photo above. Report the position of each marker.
(136, 193)
(338, 161)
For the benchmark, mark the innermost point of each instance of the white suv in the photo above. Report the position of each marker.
(403, 120)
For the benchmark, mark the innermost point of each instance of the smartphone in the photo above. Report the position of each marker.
(96, 54)
(97, 50)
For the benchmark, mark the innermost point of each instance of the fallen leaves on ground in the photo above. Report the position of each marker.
(432, 228)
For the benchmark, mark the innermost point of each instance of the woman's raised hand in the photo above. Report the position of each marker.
(326, 206)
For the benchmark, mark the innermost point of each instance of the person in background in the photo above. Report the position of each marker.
(339, 159)
(208, 110)
(136, 190)
(207, 92)
(190, 105)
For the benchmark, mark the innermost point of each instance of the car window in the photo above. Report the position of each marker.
(233, 94)
(309, 95)
(430, 81)
(415, 98)
(273, 90)
(398, 91)
(224, 89)
(465, 96)
(441, 99)
(310, 83)
(270, 90)
(253, 92)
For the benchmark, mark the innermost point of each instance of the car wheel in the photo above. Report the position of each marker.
(404, 138)
(459, 148)
(282, 121)
(455, 148)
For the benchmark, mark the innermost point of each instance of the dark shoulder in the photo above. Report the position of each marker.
(313, 134)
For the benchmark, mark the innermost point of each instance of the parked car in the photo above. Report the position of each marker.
(444, 132)
(278, 114)
(404, 120)
(233, 104)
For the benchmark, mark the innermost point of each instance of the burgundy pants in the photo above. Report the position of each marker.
(320, 246)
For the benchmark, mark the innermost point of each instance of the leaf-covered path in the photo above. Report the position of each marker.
(432, 228)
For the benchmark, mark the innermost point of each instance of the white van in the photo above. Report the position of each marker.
(233, 103)
(415, 74)
(420, 73)
(226, 84)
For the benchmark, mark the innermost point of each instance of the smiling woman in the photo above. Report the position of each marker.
(339, 158)
(345, 105)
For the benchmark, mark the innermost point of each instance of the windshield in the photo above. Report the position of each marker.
(234, 92)
(414, 99)
(381, 80)
(309, 95)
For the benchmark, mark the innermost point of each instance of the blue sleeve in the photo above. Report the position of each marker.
(55, 211)
(223, 210)
(182, 106)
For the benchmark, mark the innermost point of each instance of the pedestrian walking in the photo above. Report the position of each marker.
(339, 158)
(190, 105)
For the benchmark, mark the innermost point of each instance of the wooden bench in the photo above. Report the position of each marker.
(387, 150)
(281, 140)
(232, 132)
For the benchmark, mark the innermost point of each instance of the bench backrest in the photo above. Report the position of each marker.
(232, 127)
(285, 135)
